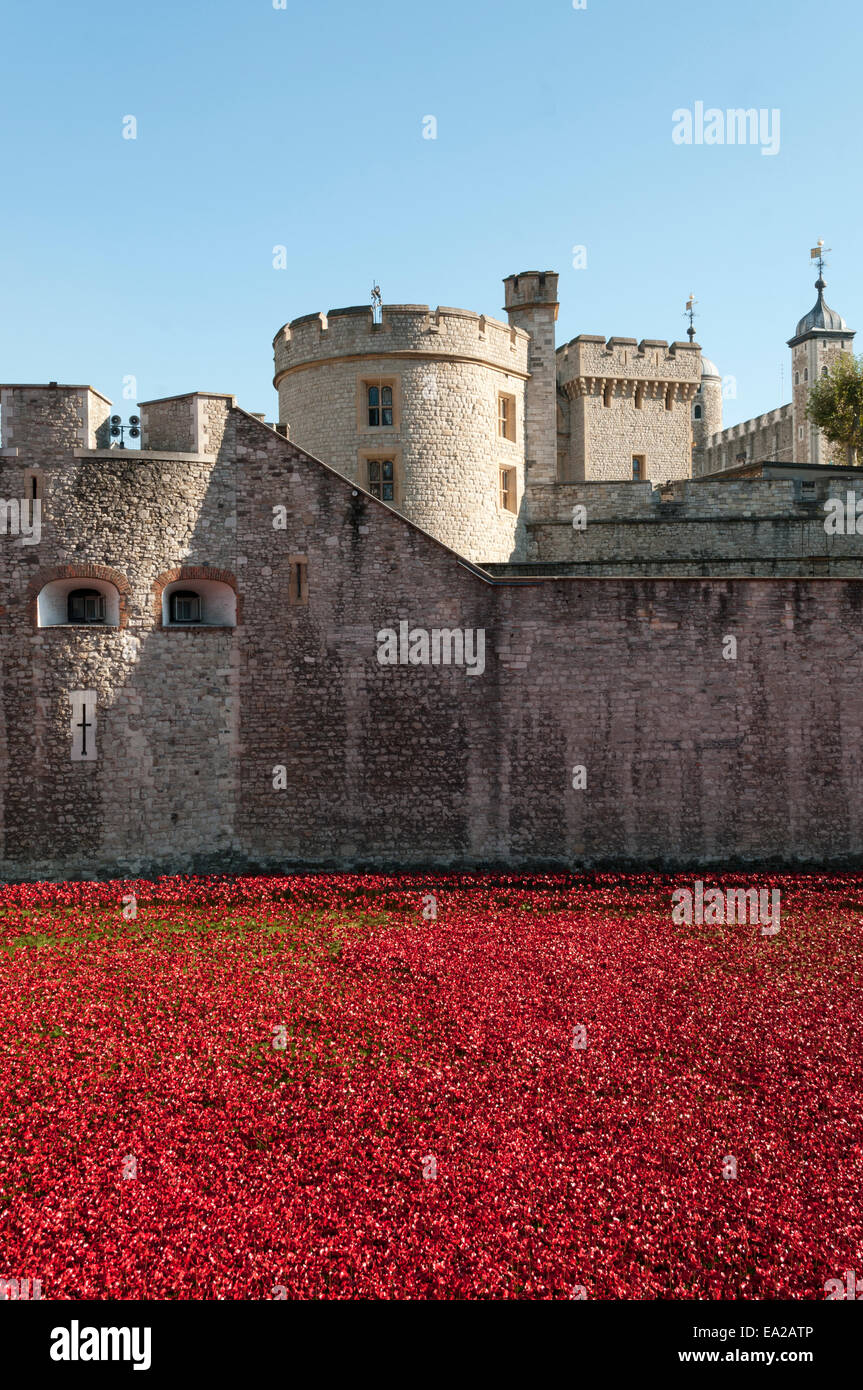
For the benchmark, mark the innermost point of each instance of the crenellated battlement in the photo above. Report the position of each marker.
(409, 330)
(749, 427)
(590, 358)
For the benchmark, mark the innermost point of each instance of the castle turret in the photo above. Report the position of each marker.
(531, 304)
(706, 413)
(425, 410)
(820, 337)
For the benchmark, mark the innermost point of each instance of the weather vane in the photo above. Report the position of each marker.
(689, 312)
(377, 303)
(817, 254)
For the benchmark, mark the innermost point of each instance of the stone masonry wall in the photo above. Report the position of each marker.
(748, 527)
(691, 759)
(166, 714)
(766, 437)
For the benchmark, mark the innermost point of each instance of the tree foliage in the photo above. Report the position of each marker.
(835, 404)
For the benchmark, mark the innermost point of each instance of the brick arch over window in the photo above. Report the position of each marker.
(191, 573)
(52, 572)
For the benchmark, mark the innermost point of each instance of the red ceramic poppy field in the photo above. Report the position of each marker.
(315, 1087)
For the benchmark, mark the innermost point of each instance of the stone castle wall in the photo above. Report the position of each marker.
(691, 759)
(766, 437)
(750, 527)
(166, 698)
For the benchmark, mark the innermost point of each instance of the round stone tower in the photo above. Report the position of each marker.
(425, 410)
(706, 412)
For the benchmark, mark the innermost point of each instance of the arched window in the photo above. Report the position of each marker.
(697, 412)
(85, 606)
(824, 371)
(185, 606)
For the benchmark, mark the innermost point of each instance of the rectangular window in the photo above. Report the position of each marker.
(507, 489)
(86, 606)
(380, 406)
(186, 608)
(382, 479)
(298, 580)
(377, 404)
(639, 471)
(505, 416)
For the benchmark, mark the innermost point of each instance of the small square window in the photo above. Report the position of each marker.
(185, 607)
(86, 606)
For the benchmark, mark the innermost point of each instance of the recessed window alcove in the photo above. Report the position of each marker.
(194, 603)
(93, 603)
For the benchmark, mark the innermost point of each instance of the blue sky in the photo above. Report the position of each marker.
(259, 127)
